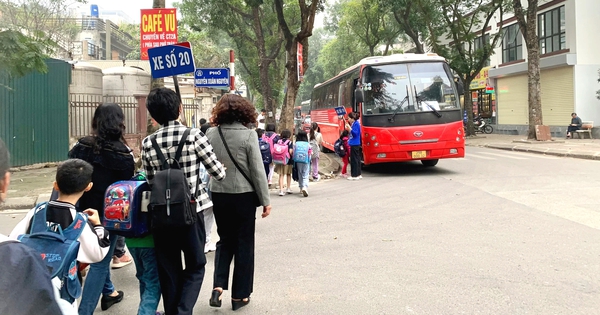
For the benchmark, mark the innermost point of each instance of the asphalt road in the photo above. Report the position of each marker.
(495, 233)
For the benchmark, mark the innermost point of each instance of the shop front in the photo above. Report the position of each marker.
(483, 96)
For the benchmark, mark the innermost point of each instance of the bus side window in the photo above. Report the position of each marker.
(354, 105)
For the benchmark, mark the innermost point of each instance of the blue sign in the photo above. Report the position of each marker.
(212, 77)
(171, 60)
(340, 111)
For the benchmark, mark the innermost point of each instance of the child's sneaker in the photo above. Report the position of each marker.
(289, 191)
(359, 176)
(352, 178)
(345, 175)
(281, 193)
(305, 192)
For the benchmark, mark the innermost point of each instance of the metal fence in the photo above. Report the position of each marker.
(83, 106)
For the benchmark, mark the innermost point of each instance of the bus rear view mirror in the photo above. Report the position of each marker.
(359, 95)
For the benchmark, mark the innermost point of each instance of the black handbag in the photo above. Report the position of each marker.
(257, 202)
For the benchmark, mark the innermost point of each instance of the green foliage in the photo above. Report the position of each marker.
(453, 27)
(369, 24)
(409, 20)
(134, 31)
(20, 54)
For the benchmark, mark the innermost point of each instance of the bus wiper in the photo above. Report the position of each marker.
(420, 101)
(391, 119)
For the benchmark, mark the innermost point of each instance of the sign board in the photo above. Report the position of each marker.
(158, 27)
(340, 111)
(216, 78)
(300, 62)
(481, 79)
(489, 90)
(171, 60)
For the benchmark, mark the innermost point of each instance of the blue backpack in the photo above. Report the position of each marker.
(301, 152)
(126, 208)
(265, 151)
(58, 249)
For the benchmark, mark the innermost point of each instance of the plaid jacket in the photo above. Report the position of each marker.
(196, 151)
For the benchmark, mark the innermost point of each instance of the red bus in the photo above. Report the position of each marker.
(408, 104)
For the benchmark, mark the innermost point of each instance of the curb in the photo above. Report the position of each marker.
(21, 203)
(544, 151)
(336, 165)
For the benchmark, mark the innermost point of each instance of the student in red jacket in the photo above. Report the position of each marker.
(346, 159)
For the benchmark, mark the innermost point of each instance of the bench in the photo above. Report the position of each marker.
(586, 127)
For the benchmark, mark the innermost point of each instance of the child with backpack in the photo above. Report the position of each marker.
(302, 156)
(281, 158)
(344, 152)
(271, 137)
(87, 241)
(315, 144)
(265, 151)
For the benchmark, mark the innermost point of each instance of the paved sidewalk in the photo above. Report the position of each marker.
(575, 148)
(33, 184)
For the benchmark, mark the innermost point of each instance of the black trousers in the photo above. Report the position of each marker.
(235, 215)
(572, 128)
(180, 287)
(355, 161)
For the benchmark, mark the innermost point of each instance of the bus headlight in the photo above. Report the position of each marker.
(373, 138)
(457, 139)
(453, 151)
(459, 131)
(376, 144)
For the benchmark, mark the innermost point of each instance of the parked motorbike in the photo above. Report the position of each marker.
(481, 126)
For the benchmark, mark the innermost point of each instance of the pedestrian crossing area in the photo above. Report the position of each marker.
(504, 155)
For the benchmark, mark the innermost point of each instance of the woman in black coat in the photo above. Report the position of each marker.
(107, 151)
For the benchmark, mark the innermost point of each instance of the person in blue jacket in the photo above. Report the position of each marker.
(353, 126)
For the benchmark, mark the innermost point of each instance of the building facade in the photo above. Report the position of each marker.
(569, 63)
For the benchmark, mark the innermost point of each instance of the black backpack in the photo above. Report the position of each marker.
(265, 151)
(171, 203)
(339, 148)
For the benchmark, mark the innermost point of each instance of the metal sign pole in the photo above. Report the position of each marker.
(182, 117)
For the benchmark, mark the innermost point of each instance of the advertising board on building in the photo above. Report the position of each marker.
(158, 27)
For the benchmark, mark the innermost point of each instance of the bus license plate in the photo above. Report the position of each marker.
(419, 154)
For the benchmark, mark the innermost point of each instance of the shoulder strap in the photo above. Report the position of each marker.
(159, 153)
(186, 133)
(76, 228)
(233, 160)
(38, 222)
(272, 137)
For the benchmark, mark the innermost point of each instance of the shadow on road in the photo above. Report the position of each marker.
(406, 169)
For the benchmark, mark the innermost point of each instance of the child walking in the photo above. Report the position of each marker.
(73, 178)
(271, 137)
(315, 144)
(144, 257)
(302, 153)
(285, 169)
(346, 158)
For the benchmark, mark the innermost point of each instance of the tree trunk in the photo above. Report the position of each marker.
(287, 111)
(468, 103)
(533, 70)
(267, 93)
(158, 83)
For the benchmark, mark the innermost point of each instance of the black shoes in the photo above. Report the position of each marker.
(108, 301)
(236, 305)
(215, 300)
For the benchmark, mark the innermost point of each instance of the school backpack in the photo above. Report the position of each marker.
(315, 149)
(270, 140)
(171, 203)
(58, 249)
(126, 208)
(301, 152)
(265, 151)
(281, 152)
(339, 148)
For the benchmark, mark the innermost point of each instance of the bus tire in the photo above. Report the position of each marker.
(429, 163)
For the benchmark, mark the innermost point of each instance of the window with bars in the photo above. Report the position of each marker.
(512, 44)
(479, 44)
(551, 30)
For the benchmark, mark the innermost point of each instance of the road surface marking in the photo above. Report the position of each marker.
(504, 156)
(479, 156)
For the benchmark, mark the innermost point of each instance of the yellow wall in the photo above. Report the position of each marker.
(557, 98)
(512, 100)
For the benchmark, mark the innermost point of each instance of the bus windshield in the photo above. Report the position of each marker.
(408, 88)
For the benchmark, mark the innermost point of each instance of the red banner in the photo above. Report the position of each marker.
(300, 66)
(158, 27)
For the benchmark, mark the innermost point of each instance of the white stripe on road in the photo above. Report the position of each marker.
(478, 156)
(536, 155)
(504, 156)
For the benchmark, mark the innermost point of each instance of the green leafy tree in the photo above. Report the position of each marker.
(407, 17)
(296, 28)
(315, 73)
(252, 28)
(453, 26)
(370, 24)
(20, 54)
(527, 20)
